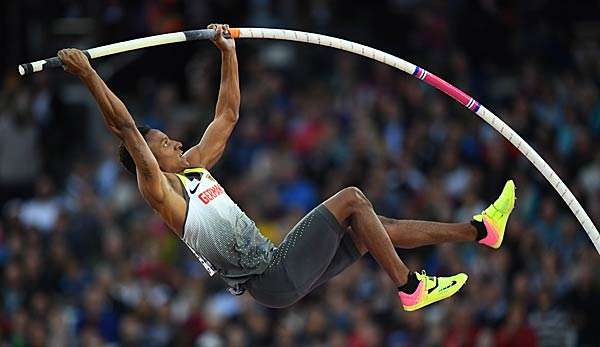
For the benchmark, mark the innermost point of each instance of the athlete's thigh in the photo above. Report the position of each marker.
(309, 248)
(300, 260)
(346, 255)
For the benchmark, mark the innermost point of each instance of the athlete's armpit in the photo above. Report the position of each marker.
(212, 145)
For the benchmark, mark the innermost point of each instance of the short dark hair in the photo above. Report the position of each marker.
(124, 156)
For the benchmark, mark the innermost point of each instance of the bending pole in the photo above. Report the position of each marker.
(388, 59)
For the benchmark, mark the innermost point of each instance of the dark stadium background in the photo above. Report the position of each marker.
(84, 261)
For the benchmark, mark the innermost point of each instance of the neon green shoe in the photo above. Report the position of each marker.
(431, 289)
(496, 215)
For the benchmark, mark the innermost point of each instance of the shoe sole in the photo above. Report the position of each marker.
(451, 293)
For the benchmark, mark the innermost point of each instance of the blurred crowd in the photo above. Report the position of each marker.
(85, 262)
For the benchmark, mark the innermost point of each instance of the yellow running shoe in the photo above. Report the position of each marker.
(431, 289)
(496, 215)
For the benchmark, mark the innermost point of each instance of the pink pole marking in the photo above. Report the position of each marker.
(447, 88)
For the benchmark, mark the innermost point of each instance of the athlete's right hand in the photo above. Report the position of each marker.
(223, 38)
(75, 62)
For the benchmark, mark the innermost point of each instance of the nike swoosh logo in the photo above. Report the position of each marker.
(192, 191)
(436, 285)
(450, 285)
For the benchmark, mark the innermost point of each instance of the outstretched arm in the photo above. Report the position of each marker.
(151, 181)
(212, 145)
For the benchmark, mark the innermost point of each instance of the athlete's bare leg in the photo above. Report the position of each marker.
(351, 208)
(416, 233)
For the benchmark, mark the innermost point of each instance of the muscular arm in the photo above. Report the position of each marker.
(212, 145)
(119, 121)
(151, 181)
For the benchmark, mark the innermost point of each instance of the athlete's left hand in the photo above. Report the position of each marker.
(74, 61)
(223, 38)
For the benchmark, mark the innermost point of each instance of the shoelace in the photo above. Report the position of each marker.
(497, 209)
(431, 278)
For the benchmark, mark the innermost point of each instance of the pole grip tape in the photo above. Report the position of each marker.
(29, 68)
(208, 34)
(203, 34)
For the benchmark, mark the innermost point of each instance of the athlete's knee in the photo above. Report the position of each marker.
(356, 199)
(347, 202)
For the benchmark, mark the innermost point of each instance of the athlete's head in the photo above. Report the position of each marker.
(167, 152)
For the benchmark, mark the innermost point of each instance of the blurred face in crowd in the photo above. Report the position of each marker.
(168, 152)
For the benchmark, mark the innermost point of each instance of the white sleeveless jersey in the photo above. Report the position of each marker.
(219, 233)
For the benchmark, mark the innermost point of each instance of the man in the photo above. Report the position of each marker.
(327, 240)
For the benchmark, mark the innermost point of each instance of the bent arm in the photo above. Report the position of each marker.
(119, 121)
(212, 145)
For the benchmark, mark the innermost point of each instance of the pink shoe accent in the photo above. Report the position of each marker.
(492, 234)
(414, 298)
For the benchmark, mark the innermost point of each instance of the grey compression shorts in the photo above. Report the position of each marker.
(314, 251)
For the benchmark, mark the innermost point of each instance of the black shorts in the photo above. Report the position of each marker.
(314, 251)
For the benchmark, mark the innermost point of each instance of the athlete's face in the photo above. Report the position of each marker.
(168, 152)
